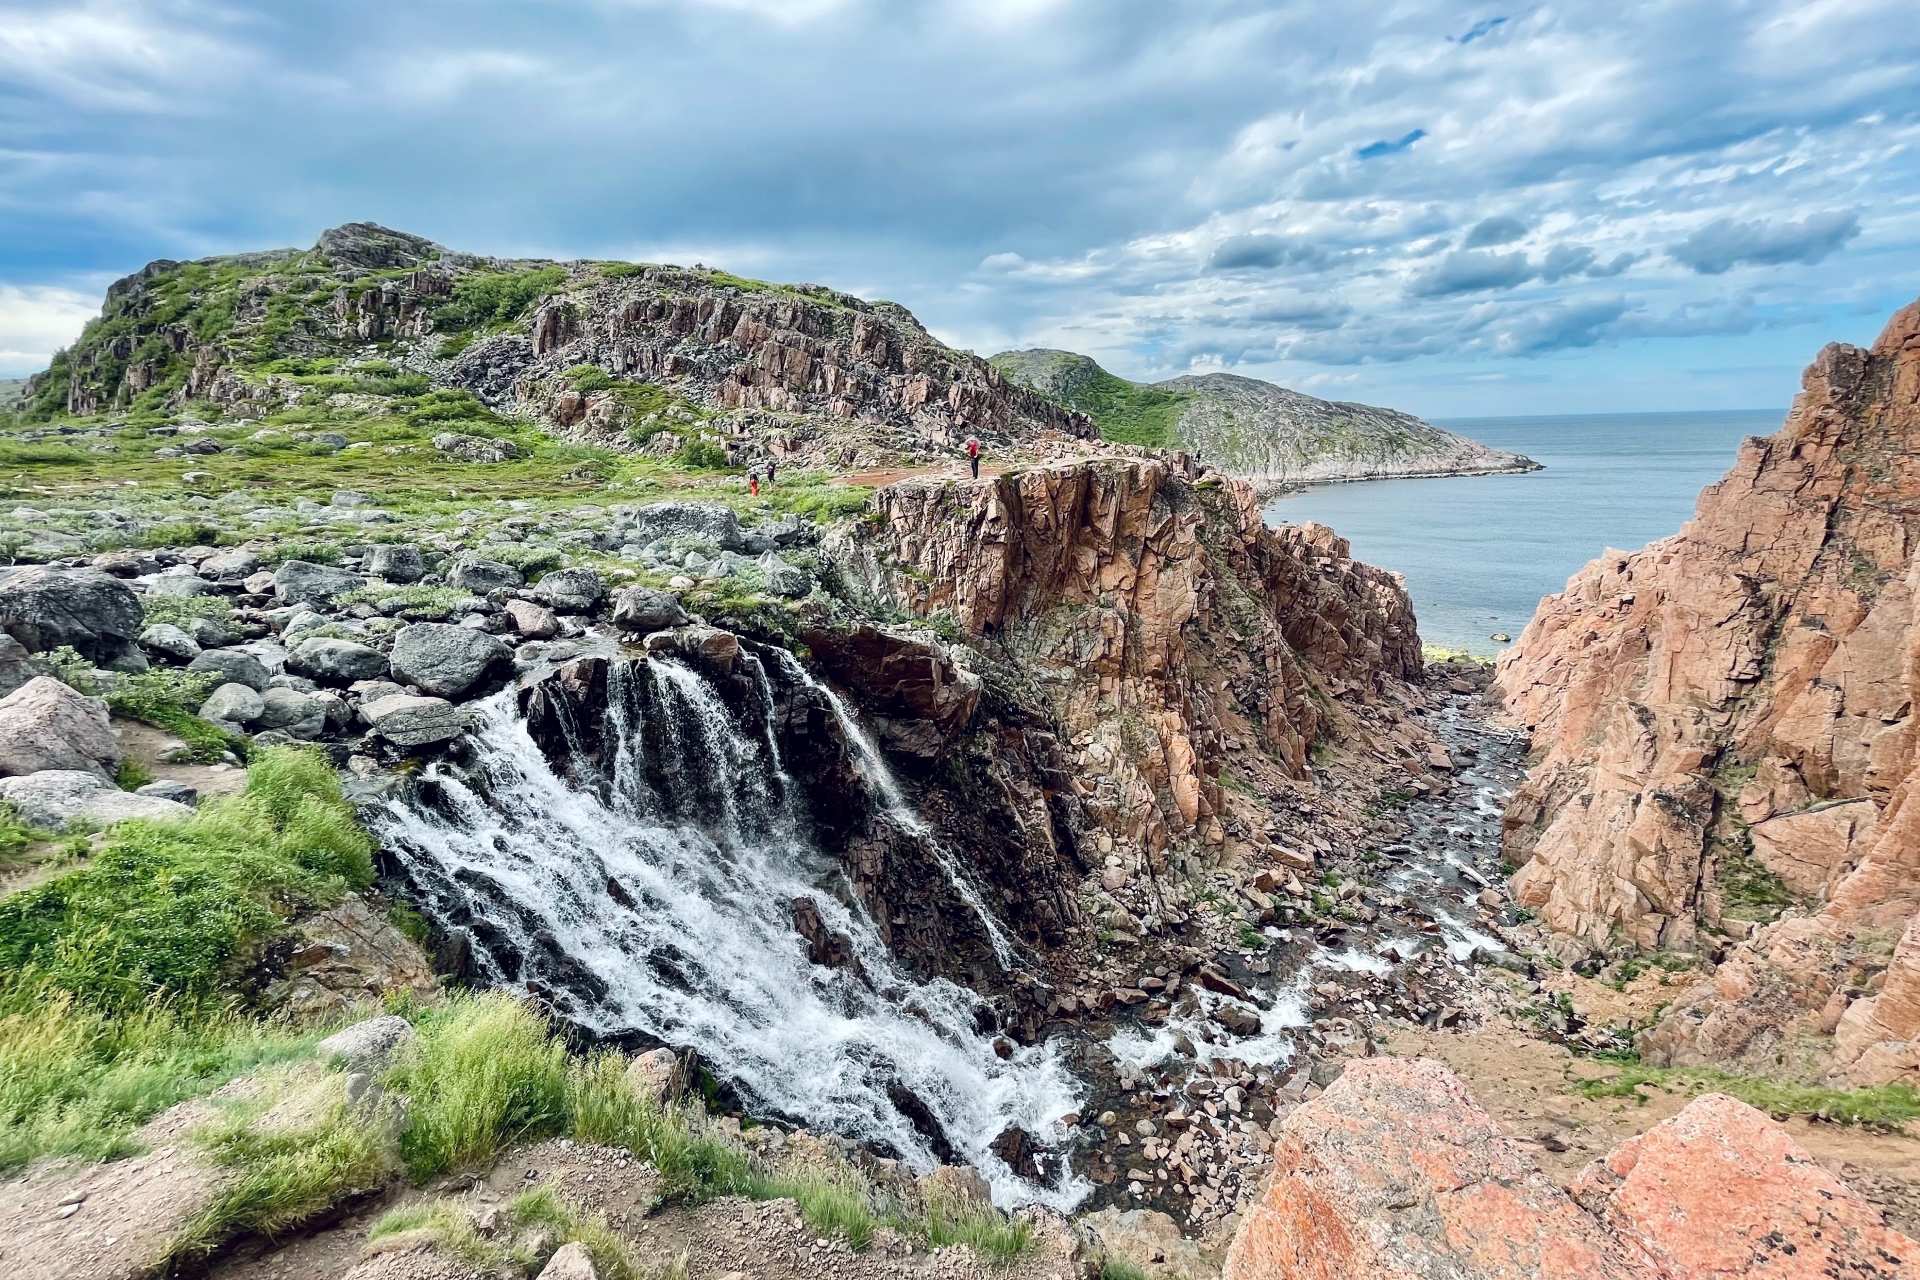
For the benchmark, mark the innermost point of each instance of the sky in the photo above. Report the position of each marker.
(1454, 209)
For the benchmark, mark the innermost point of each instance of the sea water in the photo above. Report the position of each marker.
(1479, 552)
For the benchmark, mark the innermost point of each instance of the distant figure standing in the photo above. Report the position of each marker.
(973, 455)
(770, 466)
(753, 482)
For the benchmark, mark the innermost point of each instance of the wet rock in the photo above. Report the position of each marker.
(1016, 1147)
(445, 660)
(824, 947)
(644, 610)
(169, 641)
(233, 704)
(46, 725)
(54, 798)
(1238, 1019)
(716, 649)
(299, 582)
(371, 1045)
(656, 1075)
(396, 562)
(233, 666)
(95, 613)
(471, 573)
(336, 661)
(407, 721)
(534, 621)
(907, 675)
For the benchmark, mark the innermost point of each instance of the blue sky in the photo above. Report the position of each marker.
(1450, 208)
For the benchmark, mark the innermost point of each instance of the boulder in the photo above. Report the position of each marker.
(46, 725)
(904, 675)
(573, 590)
(656, 1075)
(186, 585)
(1393, 1172)
(336, 661)
(570, 1262)
(476, 448)
(233, 704)
(784, 579)
(17, 666)
(171, 789)
(54, 798)
(707, 646)
(369, 1046)
(718, 525)
(534, 621)
(445, 659)
(229, 566)
(407, 721)
(170, 642)
(94, 612)
(300, 714)
(1720, 1190)
(471, 573)
(643, 609)
(396, 562)
(233, 666)
(319, 585)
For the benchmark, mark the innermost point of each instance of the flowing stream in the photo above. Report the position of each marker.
(663, 910)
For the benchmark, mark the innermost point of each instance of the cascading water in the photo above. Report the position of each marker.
(660, 905)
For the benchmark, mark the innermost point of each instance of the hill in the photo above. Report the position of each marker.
(636, 357)
(1251, 428)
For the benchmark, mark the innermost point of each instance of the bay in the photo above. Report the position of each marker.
(1479, 552)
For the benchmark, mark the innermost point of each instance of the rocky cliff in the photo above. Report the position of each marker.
(636, 356)
(1723, 725)
(1269, 434)
(1161, 620)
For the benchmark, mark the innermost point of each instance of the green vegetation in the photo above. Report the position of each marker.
(702, 453)
(418, 603)
(1884, 1106)
(166, 698)
(496, 298)
(537, 1224)
(167, 910)
(181, 611)
(1127, 412)
(1115, 1267)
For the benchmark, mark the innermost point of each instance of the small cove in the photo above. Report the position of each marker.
(1479, 552)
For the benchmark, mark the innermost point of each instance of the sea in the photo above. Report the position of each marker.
(1479, 552)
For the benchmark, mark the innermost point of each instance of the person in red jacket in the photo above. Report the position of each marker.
(973, 455)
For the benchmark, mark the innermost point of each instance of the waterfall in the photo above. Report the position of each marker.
(660, 905)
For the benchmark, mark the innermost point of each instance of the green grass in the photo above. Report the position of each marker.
(166, 698)
(171, 911)
(496, 297)
(980, 1227)
(483, 1073)
(833, 1202)
(181, 610)
(694, 1164)
(1115, 1267)
(1884, 1106)
(539, 1213)
(418, 602)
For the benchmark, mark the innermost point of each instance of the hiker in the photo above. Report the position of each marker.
(973, 455)
(770, 465)
(753, 482)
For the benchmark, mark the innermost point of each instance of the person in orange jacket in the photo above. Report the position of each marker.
(973, 455)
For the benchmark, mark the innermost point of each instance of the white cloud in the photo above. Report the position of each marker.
(36, 321)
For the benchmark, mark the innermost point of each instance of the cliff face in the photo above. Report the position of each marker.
(1163, 622)
(1268, 434)
(1724, 720)
(610, 353)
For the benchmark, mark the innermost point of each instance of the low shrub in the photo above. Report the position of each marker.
(538, 1223)
(182, 610)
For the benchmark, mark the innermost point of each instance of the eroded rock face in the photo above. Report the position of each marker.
(1759, 665)
(1395, 1172)
(1153, 609)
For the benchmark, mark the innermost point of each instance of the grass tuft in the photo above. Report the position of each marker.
(1883, 1106)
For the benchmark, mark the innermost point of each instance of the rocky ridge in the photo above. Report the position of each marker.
(1268, 434)
(1724, 724)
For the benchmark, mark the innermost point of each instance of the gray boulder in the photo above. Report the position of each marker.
(396, 562)
(17, 666)
(46, 725)
(444, 659)
(181, 586)
(336, 661)
(207, 633)
(171, 789)
(407, 721)
(96, 613)
(718, 525)
(233, 666)
(298, 582)
(169, 641)
(573, 590)
(54, 798)
(476, 448)
(471, 573)
(535, 621)
(644, 609)
(296, 712)
(233, 704)
(229, 566)
(784, 579)
(367, 1046)
(570, 1261)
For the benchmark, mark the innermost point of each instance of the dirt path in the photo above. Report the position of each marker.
(878, 476)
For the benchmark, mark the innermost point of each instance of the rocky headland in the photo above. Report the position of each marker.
(1273, 436)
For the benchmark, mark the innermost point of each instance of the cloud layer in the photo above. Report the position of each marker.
(1439, 204)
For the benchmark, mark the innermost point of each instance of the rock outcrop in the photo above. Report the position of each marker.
(1724, 722)
(1268, 434)
(1155, 613)
(1395, 1172)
